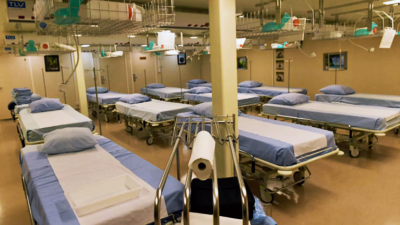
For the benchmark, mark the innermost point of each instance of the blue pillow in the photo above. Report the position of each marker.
(250, 84)
(92, 90)
(337, 90)
(72, 139)
(135, 98)
(197, 81)
(46, 104)
(200, 90)
(155, 85)
(35, 97)
(203, 109)
(289, 99)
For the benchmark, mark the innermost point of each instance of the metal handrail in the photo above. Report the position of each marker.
(230, 138)
(158, 198)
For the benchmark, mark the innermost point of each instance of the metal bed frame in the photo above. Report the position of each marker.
(243, 108)
(255, 168)
(140, 125)
(103, 109)
(177, 99)
(222, 130)
(24, 142)
(358, 138)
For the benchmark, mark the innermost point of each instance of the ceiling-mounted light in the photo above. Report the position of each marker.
(131, 36)
(94, 25)
(144, 45)
(241, 16)
(78, 35)
(391, 2)
(172, 52)
(84, 46)
(193, 37)
(180, 45)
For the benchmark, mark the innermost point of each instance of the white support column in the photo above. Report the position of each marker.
(80, 80)
(223, 71)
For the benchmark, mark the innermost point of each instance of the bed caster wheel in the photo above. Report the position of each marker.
(297, 176)
(18, 131)
(94, 113)
(140, 129)
(129, 129)
(396, 131)
(266, 197)
(354, 153)
(150, 141)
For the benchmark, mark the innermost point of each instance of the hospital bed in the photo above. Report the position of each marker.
(363, 124)
(152, 116)
(272, 149)
(189, 85)
(106, 102)
(165, 94)
(32, 126)
(268, 92)
(390, 101)
(245, 101)
(17, 109)
(47, 203)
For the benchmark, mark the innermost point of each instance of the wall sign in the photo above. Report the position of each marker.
(142, 58)
(52, 63)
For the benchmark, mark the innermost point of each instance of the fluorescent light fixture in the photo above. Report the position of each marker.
(172, 52)
(241, 16)
(144, 45)
(131, 36)
(94, 25)
(85, 46)
(180, 45)
(391, 2)
(193, 37)
(78, 35)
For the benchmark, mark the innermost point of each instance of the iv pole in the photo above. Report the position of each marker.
(62, 77)
(97, 95)
(289, 61)
(44, 84)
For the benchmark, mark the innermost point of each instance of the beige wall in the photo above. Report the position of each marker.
(375, 73)
(260, 63)
(170, 70)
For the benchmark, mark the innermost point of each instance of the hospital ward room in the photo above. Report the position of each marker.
(197, 112)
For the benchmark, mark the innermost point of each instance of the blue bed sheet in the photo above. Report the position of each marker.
(243, 99)
(272, 150)
(108, 98)
(362, 99)
(167, 92)
(370, 122)
(48, 202)
(189, 86)
(271, 91)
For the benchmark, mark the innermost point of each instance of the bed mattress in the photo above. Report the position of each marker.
(188, 85)
(19, 108)
(279, 142)
(168, 92)
(35, 125)
(365, 117)
(154, 111)
(108, 98)
(271, 91)
(243, 99)
(48, 202)
(392, 101)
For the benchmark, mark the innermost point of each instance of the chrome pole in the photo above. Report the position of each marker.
(97, 100)
(158, 198)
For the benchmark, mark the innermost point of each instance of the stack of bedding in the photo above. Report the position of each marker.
(21, 96)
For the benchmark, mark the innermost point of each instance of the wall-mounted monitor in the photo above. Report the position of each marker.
(52, 63)
(242, 63)
(182, 58)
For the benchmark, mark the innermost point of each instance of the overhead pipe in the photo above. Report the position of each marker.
(278, 11)
(370, 13)
(321, 14)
